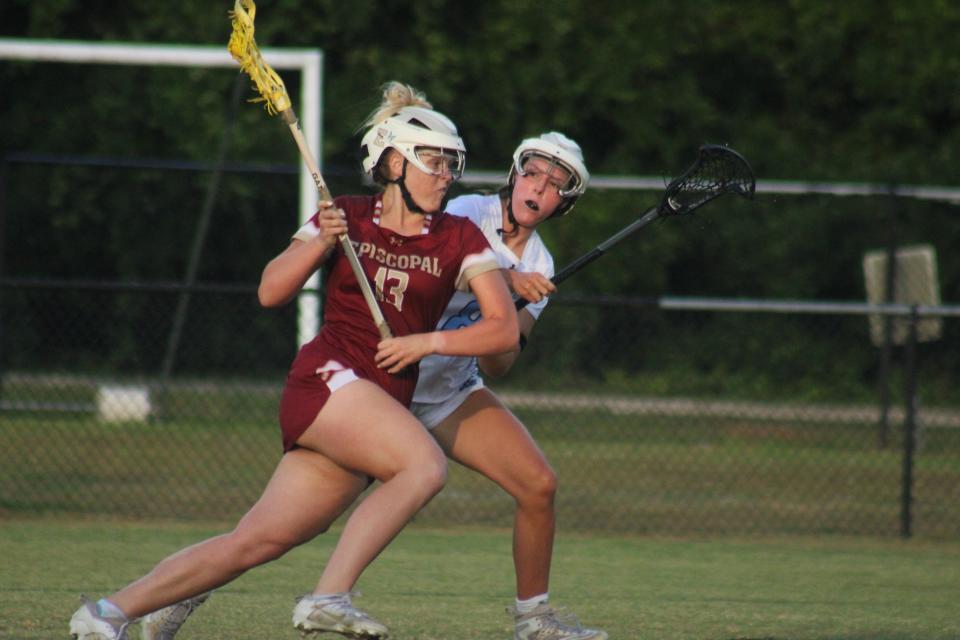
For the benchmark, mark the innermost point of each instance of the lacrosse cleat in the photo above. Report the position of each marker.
(88, 624)
(335, 613)
(547, 623)
(163, 624)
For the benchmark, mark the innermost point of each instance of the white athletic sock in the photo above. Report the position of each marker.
(107, 609)
(528, 605)
(328, 597)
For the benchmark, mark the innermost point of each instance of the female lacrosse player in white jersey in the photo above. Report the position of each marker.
(343, 413)
(472, 426)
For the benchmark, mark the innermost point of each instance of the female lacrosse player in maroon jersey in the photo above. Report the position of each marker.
(343, 412)
(466, 418)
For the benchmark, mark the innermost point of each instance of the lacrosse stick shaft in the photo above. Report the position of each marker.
(648, 217)
(599, 250)
(323, 191)
(718, 170)
(290, 118)
(243, 48)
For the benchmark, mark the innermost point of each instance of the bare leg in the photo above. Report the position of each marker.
(305, 495)
(484, 436)
(361, 427)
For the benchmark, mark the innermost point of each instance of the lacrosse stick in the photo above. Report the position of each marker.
(717, 170)
(274, 95)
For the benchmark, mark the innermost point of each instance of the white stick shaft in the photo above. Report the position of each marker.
(291, 119)
(324, 192)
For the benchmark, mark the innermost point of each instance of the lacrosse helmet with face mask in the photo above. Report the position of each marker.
(558, 150)
(424, 137)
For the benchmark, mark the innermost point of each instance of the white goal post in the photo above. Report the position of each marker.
(309, 62)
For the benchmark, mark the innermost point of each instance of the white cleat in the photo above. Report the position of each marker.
(547, 623)
(336, 614)
(87, 624)
(163, 624)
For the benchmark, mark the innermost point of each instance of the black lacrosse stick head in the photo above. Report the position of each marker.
(717, 170)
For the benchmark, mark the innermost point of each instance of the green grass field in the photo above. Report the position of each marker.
(444, 584)
(627, 474)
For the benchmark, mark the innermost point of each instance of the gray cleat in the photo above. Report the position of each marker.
(336, 614)
(87, 624)
(547, 623)
(164, 623)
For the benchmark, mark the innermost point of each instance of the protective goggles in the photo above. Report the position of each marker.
(437, 162)
(567, 185)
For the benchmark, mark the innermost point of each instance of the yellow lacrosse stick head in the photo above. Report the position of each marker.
(244, 50)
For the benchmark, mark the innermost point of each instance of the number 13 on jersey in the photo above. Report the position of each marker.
(391, 284)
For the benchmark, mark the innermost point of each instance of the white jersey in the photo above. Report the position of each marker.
(443, 376)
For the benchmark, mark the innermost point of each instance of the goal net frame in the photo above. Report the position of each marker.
(309, 62)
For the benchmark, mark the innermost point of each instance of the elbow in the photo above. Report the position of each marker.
(268, 296)
(264, 297)
(496, 367)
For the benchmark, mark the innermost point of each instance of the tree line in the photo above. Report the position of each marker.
(806, 90)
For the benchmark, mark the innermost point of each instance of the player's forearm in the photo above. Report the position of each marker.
(489, 336)
(285, 275)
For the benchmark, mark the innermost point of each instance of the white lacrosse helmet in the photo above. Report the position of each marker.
(413, 130)
(556, 148)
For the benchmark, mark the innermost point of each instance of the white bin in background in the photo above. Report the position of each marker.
(123, 403)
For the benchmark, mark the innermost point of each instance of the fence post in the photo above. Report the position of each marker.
(909, 427)
(886, 350)
(199, 238)
(3, 225)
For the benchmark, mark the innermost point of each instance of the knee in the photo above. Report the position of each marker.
(423, 475)
(433, 474)
(249, 549)
(427, 474)
(539, 488)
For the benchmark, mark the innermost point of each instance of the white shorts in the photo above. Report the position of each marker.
(430, 414)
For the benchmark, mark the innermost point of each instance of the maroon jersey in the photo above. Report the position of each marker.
(413, 278)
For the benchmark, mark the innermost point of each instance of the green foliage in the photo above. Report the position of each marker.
(856, 91)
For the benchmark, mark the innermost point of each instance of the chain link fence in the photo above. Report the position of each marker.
(663, 416)
(674, 416)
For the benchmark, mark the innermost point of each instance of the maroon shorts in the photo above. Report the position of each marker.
(318, 371)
